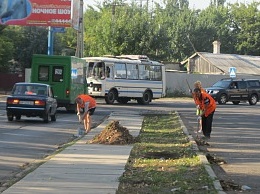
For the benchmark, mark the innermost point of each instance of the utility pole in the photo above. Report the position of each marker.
(114, 12)
(80, 33)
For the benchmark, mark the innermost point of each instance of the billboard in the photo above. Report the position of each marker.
(75, 15)
(56, 13)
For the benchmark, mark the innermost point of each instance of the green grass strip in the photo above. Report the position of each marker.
(162, 161)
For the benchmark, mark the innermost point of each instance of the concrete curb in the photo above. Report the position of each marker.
(203, 158)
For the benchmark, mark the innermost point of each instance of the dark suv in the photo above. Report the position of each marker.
(235, 90)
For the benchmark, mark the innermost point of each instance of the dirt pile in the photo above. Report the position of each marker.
(114, 134)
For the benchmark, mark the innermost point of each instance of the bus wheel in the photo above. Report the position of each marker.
(146, 99)
(71, 108)
(122, 100)
(111, 97)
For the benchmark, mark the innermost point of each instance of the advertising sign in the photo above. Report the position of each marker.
(75, 14)
(56, 13)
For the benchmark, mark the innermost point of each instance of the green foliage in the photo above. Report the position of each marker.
(22, 43)
(246, 27)
(165, 32)
(6, 53)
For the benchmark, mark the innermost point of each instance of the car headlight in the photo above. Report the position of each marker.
(215, 91)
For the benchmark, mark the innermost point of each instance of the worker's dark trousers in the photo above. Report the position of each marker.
(207, 124)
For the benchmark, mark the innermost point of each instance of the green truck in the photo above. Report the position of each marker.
(66, 75)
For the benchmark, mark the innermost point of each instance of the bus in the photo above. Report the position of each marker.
(124, 78)
(66, 75)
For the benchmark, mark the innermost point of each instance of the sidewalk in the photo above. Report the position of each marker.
(83, 168)
(90, 168)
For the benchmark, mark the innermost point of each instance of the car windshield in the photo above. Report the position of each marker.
(27, 89)
(221, 84)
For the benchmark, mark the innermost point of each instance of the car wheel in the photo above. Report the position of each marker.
(222, 99)
(10, 117)
(111, 97)
(253, 99)
(18, 117)
(146, 99)
(46, 117)
(236, 102)
(53, 117)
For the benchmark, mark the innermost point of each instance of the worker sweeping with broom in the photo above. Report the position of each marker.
(197, 84)
(207, 105)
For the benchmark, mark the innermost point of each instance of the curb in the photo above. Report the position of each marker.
(203, 158)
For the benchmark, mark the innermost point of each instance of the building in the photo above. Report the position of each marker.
(218, 63)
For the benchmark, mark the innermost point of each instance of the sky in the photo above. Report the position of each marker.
(196, 4)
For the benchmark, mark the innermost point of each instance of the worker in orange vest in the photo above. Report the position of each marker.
(208, 106)
(197, 84)
(87, 103)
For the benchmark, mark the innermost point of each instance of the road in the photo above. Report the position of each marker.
(235, 137)
(29, 140)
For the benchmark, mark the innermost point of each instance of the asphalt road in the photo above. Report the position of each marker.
(235, 137)
(30, 140)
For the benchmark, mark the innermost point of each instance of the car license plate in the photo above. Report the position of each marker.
(26, 102)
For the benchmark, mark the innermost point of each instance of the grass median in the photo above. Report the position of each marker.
(162, 161)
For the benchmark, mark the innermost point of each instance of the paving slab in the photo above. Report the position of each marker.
(83, 167)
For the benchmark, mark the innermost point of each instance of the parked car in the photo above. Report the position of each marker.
(235, 90)
(31, 100)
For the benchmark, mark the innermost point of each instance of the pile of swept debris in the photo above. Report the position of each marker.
(114, 134)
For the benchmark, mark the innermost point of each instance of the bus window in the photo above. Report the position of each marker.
(120, 71)
(108, 72)
(144, 72)
(57, 74)
(156, 73)
(132, 71)
(99, 70)
(43, 73)
(90, 66)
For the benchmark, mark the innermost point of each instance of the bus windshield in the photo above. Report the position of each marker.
(96, 70)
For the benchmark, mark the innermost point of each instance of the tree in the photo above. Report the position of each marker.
(245, 25)
(213, 24)
(6, 53)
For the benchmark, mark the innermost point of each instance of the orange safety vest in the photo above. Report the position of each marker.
(207, 103)
(87, 98)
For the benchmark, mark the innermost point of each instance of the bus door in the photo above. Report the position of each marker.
(109, 71)
(60, 84)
